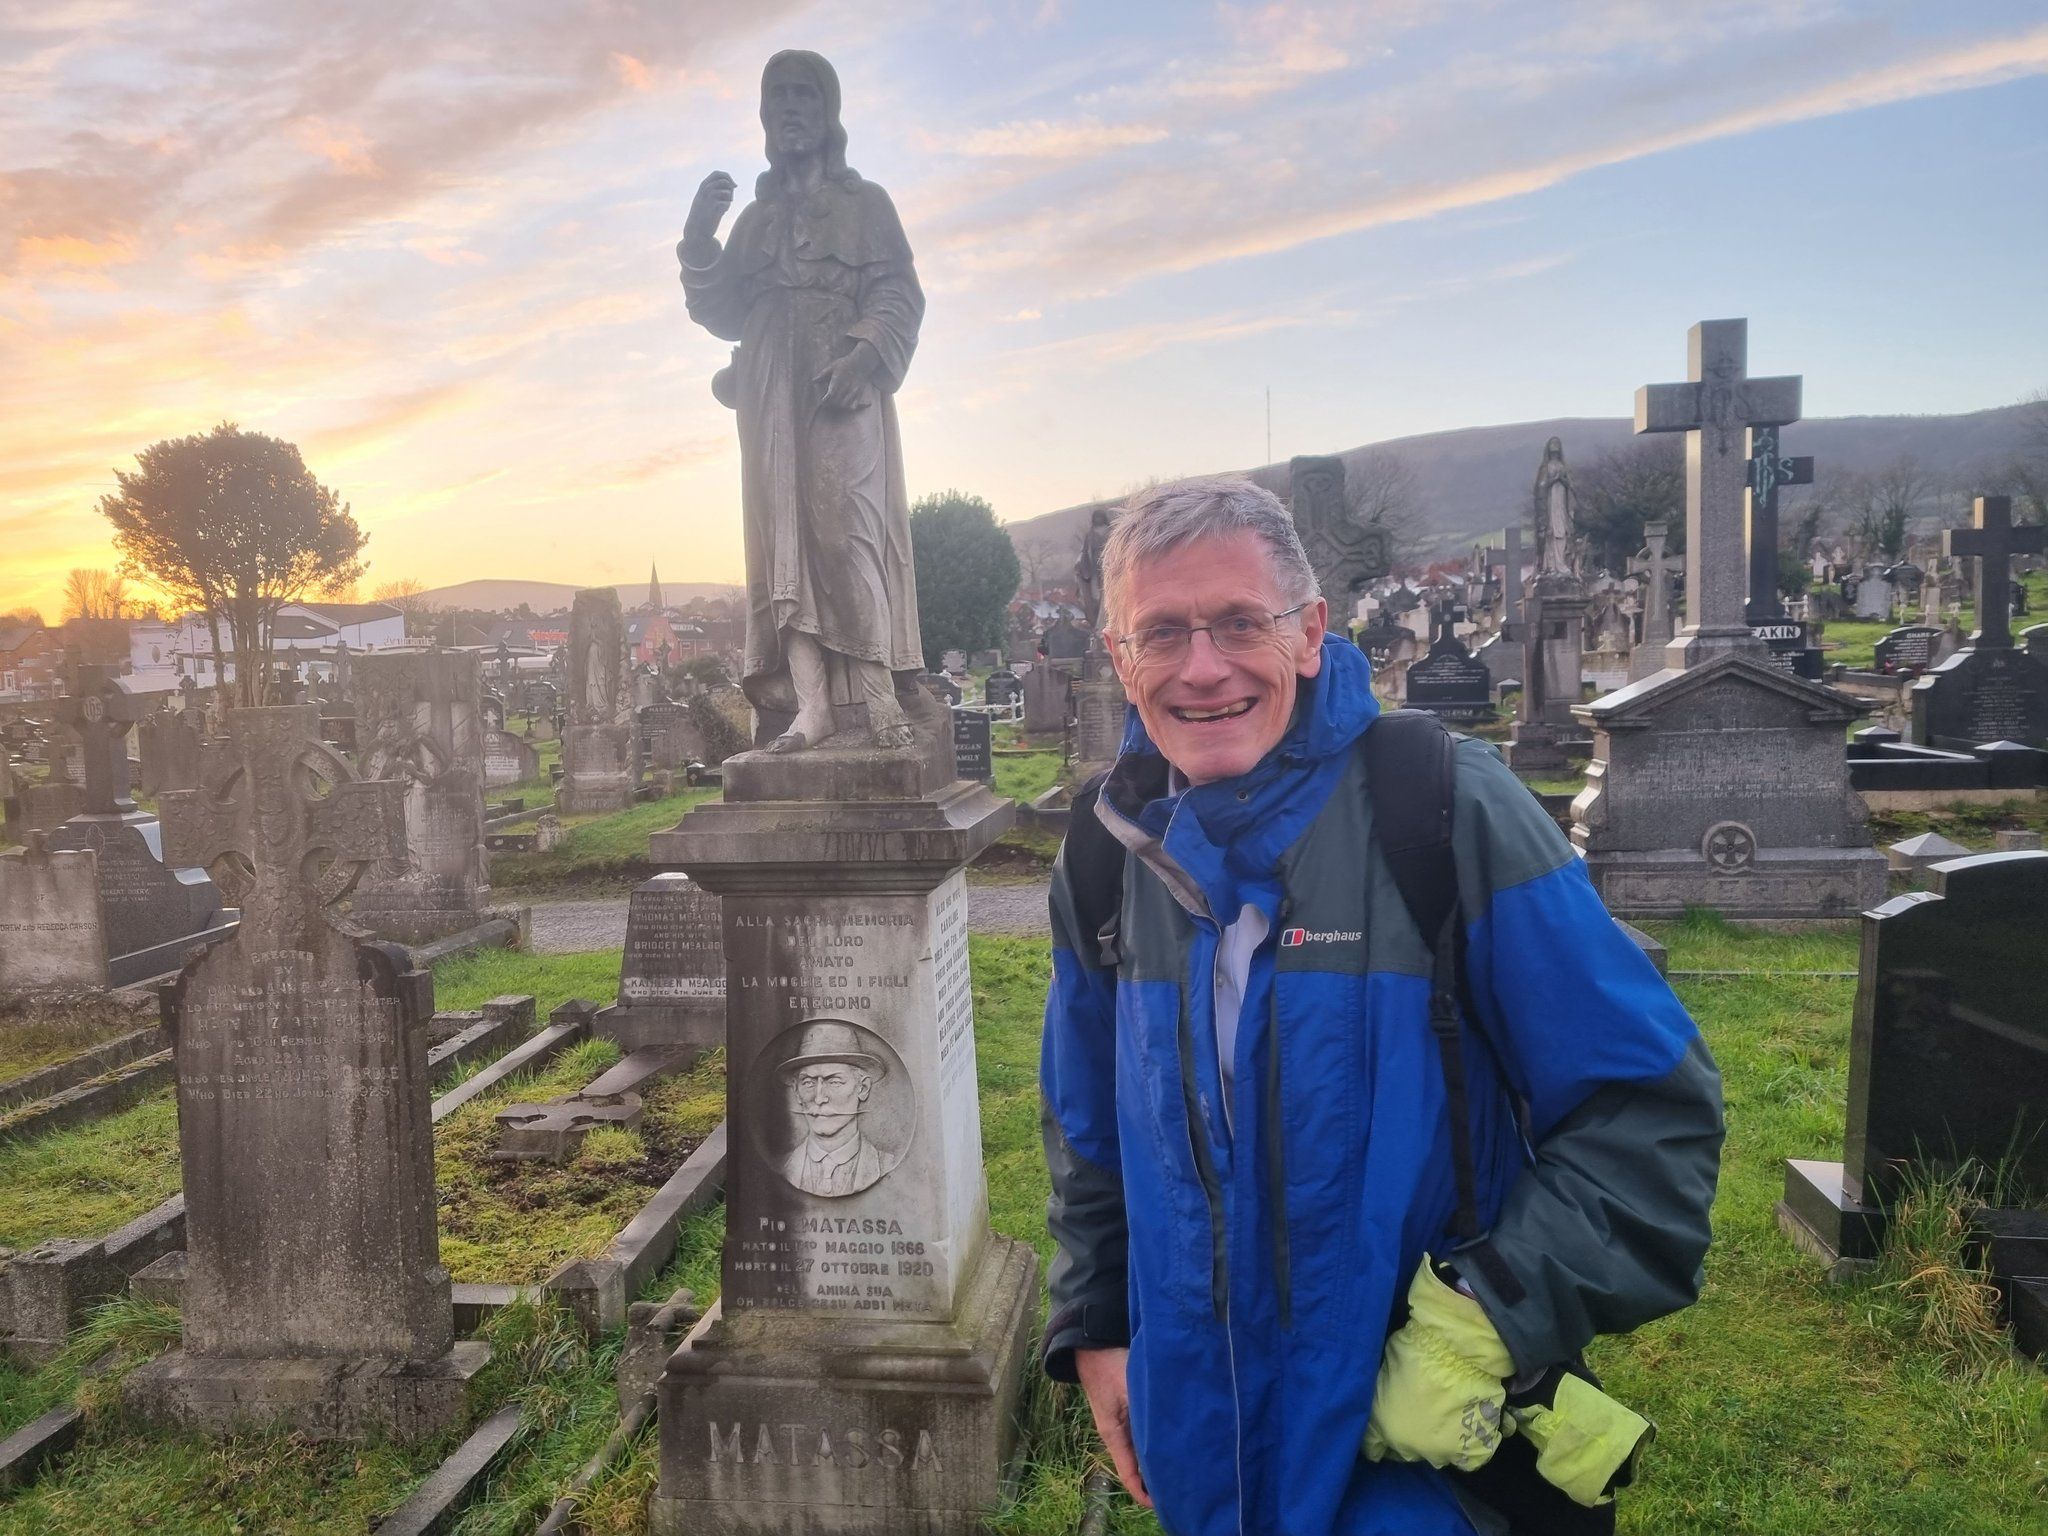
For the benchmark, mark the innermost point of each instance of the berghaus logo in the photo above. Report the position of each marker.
(1294, 938)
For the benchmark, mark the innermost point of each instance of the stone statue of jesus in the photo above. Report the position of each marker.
(817, 287)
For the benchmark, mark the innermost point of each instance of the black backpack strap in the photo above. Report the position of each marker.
(1410, 774)
(1095, 875)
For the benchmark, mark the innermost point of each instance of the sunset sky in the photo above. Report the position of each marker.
(433, 244)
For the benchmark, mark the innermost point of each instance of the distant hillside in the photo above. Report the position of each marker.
(1472, 481)
(553, 596)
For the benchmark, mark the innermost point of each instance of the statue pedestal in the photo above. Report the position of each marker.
(861, 1371)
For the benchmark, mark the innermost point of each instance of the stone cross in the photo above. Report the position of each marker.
(1768, 469)
(101, 712)
(1716, 408)
(1508, 561)
(283, 805)
(1994, 541)
(1657, 600)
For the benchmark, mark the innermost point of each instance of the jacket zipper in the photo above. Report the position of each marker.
(1276, 1147)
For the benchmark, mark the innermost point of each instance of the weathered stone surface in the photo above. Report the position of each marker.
(598, 758)
(51, 938)
(1716, 408)
(672, 975)
(315, 1298)
(145, 901)
(1099, 718)
(418, 722)
(864, 1300)
(1345, 553)
(438, 1502)
(1045, 700)
(1725, 786)
(37, 1445)
(509, 759)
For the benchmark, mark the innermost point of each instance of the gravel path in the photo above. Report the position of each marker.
(574, 927)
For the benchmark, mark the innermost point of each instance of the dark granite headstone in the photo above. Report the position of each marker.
(1788, 649)
(974, 746)
(941, 687)
(1004, 688)
(1948, 1052)
(1908, 651)
(1449, 683)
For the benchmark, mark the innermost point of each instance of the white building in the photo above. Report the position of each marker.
(162, 655)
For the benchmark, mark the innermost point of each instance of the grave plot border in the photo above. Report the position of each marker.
(46, 1289)
(108, 1056)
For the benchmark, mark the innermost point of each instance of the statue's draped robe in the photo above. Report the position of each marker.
(801, 279)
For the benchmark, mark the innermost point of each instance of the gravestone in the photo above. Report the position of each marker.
(147, 908)
(314, 1298)
(1046, 691)
(1449, 682)
(1065, 644)
(1948, 1052)
(1870, 594)
(1003, 689)
(953, 662)
(669, 736)
(1787, 647)
(419, 722)
(1502, 654)
(167, 749)
(491, 711)
(1909, 650)
(509, 759)
(50, 935)
(598, 758)
(974, 746)
(1099, 716)
(941, 687)
(1721, 781)
(1989, 690)
(1544, 736)
(1346, 554)
(672, 977)
(1768, 469)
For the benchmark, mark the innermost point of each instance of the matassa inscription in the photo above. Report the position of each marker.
(761, 1444)
(830, 1111)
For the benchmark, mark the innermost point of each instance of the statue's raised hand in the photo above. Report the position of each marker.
(708, 209)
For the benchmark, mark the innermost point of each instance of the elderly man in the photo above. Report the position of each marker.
(1321, 1273)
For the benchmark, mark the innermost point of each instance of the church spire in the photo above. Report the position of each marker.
(654, 601)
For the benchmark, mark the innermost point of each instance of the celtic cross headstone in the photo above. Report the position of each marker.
(315, 1299)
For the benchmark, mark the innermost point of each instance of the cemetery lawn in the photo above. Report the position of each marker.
(38, 1035)
(89, 1179)
(1025, 777)
(1970, 825)
(1786, 1406)
(597, 850)
(519, 1222)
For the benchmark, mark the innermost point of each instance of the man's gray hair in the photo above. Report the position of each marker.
(1162, 519)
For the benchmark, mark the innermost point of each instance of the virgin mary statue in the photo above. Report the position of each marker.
(817, 287)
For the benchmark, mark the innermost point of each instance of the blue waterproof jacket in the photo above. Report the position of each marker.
(1253, 1261)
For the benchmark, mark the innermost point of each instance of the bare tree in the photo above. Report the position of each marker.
(404, 594)
(22, 618)
(1037, 553)
(1884, 502)
(1642, 481)
(90, 594)
(1380, 487)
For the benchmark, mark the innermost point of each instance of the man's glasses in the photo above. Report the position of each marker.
(1233, 634)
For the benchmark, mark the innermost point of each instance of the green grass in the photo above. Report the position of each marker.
(39, 1034)
(1785, 1405)
(1026, 778)
(1970, 825)
(467, 981)
(597, 850)
(89, 1179)
(519, 1222)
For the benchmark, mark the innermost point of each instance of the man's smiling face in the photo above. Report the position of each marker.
(1214, 712)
